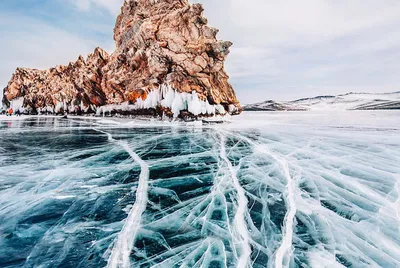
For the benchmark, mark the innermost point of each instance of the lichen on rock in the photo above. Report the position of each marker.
(159, 45)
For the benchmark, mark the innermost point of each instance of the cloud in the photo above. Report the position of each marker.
(33, 43)
(51, 33)
(112, 6)
(316, 20)
(282, 49)
(279, 22)
(289, 49)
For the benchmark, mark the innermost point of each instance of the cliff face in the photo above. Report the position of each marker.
(167, 61)
(74, 88)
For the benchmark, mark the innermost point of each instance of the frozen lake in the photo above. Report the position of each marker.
(299, 189)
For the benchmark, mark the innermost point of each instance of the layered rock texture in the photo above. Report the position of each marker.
(167, 61)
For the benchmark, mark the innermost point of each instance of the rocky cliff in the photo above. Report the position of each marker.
(167, 61)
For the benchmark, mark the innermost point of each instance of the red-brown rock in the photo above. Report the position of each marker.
(157, 43)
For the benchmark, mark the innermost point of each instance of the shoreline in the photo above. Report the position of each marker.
(117, 120)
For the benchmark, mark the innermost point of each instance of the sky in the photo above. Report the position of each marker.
(283, 50)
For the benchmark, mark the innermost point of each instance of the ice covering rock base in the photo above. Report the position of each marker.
(170, 101)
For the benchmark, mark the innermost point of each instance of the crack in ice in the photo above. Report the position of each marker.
(120, 255)
(239, 222)
(287, 239)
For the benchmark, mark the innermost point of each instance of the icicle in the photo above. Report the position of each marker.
(195, 105)
(177, 105)
(17, 104)
(167, 97)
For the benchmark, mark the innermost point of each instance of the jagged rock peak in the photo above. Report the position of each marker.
(159, 45)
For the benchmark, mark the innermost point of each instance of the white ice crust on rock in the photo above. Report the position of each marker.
(164, 96)
(168, 97)
(17, 104)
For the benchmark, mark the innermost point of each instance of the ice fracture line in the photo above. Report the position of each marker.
(287, 239)
(120, 255)
(239, 222)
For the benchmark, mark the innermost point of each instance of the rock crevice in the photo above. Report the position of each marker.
(158, 44)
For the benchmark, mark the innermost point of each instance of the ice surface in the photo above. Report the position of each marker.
(268, 190)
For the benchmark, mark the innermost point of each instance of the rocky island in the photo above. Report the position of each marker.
(167, 62)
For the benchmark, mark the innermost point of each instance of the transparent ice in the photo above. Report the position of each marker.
(267, 190)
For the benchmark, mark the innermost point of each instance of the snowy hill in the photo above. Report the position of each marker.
(349, 101)
(274, 106)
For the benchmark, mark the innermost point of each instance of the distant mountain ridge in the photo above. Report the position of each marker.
(343, 102)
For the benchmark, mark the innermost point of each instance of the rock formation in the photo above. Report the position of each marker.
(167, 61)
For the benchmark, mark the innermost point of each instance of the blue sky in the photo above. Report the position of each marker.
(282, 49)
